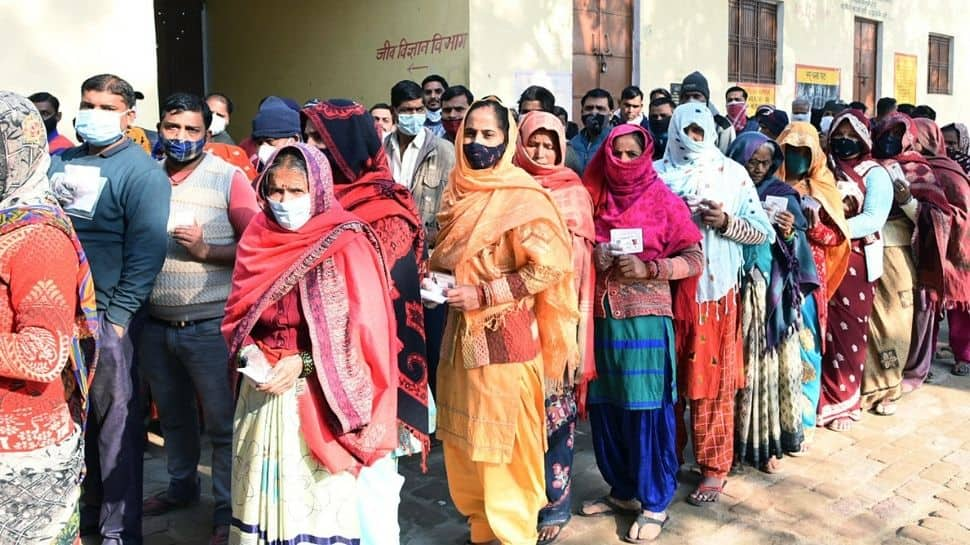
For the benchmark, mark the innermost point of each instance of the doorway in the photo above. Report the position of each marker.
(179, 47)
(602, 47)
(866, 57)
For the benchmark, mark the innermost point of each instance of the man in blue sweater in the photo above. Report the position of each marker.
(118, 199)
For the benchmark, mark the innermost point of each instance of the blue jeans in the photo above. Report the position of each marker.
(114, 442)
(183, 365)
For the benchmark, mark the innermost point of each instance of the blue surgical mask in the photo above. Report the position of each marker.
(410, 124)
(98, 127)
(291, 214)
(434, 116)
(182, 151)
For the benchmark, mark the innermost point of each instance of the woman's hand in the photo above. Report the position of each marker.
(712, 214)
(849, 206)
(602, 256)
(463, 298)
(284, 375)
(785, 222)
(631, 267)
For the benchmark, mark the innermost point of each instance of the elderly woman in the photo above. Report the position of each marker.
(541, 151)
(632, 400)
(778, 277)
(310, 322)
(511, 330)
(956, 139)
(867, 196)
(47, 302)
(827, 235)
(728, 212)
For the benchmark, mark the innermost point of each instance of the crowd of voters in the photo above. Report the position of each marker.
(348, 286)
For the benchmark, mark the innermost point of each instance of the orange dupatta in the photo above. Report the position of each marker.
(477, 208)
(820, 183)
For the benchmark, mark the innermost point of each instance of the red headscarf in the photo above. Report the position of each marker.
(632, 194)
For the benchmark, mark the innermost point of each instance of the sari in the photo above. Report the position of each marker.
(41, 486)
(309, 449)
(903, 324)
(777, 279)
(632, 400)
(850, 308)
(365, 187)
(709, 344)
(955, 259)
(563, 406)
(502, 233)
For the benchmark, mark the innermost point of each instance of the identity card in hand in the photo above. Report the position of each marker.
(87, 183)
(773, 205)
(257, 369)
(626, 241)
(434, 286)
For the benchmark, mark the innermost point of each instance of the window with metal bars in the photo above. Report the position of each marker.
(938, 79)
(753, 41)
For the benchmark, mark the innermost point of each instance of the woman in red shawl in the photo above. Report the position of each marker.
(903, 326)
(632, 399)
(540, 151)
(955, 185)
(309, 322)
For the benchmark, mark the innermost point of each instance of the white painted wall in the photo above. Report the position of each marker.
(54, 45)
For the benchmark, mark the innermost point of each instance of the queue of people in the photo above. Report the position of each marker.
(349, 286)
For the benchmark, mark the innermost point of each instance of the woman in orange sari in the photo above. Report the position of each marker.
(511, 330)
(541, 151)
(310, 323)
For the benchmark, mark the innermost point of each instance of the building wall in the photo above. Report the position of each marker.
(329, 49)
(679, 37)
(55, 45)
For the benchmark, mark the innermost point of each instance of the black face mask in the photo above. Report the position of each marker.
(659, 129)
(50, 124)
(594, 123)
(888, 145)
(843, 148)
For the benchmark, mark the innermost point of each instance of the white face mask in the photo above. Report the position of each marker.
(265, 152)
(826, 123)
(218, 124)
(291, 214)
(801, 117)
(98, 127)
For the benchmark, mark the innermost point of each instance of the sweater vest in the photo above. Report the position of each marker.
(186, 289)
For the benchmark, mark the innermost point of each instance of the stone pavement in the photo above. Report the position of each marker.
(900, 480)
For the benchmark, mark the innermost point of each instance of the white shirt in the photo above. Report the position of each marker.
(403, 167)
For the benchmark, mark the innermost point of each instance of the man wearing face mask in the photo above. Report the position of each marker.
(181, 349)
(801, 110)
(736, 99)
(659, 113)
(597, 107)
(454, 103)
(694, 88)
(118, 200)
(433, 88)
(420, 161)
(275, 125)
(50, 110)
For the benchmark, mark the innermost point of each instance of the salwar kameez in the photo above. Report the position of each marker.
(561, 413)
(632, 409)
(890, 328)
(844, 360)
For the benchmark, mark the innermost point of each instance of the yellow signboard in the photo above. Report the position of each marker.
(904, 79)
(758, 94)
(819, 84)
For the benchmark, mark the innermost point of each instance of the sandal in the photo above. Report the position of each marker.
(613, 508)
(961, 368)
(885, 408)
(559, 526)
(644, 520)
(694, 500)
(840, 425)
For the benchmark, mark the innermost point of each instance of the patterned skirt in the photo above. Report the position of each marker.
(39, 493)
(890, 329)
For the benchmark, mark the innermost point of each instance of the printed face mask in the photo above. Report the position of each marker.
(182, 151)
(480, 156)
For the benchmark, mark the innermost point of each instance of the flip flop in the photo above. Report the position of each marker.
(706, 488)
(554, 538)
(885, 408)
(643, 520)
(614, 508)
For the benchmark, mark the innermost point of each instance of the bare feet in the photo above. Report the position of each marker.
(885, 408)
(840, 424)
(773, 465)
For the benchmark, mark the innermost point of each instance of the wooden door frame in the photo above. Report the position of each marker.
(877, 62)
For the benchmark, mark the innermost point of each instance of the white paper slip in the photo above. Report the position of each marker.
(627, 241)
(86, 183)
(773, 205)
(433, 296)
(434, 286)
(258, 370)
(180, 218)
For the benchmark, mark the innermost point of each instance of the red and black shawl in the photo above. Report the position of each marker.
(365, 186)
